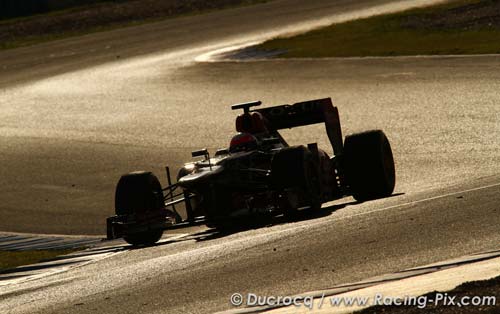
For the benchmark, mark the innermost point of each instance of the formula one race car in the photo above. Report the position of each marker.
(259, 174)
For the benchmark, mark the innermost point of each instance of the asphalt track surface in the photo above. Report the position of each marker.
(75, 116)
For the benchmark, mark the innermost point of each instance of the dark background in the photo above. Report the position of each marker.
(17, 8)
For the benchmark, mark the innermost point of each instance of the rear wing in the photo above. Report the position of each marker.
(306, 113)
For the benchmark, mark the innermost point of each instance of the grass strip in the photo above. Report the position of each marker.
(11, 259)
(459, 27)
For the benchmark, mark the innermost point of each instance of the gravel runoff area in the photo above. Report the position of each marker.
(101, 16)
(471, 291)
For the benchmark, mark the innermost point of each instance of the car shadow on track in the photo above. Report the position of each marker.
(260, 222)
(276, 220)
(265, 222)
(252, 224)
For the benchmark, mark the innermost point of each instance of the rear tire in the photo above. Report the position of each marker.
(295, 168)
(137, 193)
(369, 165)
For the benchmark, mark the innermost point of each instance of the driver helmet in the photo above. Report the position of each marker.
(243, 142)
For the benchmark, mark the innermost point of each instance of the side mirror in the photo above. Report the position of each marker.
(201, 152)
(222, 151)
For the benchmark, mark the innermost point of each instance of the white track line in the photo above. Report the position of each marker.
(424, 200)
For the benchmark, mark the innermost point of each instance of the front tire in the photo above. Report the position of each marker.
(139, 193)
(144, 238)
(369, 165)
